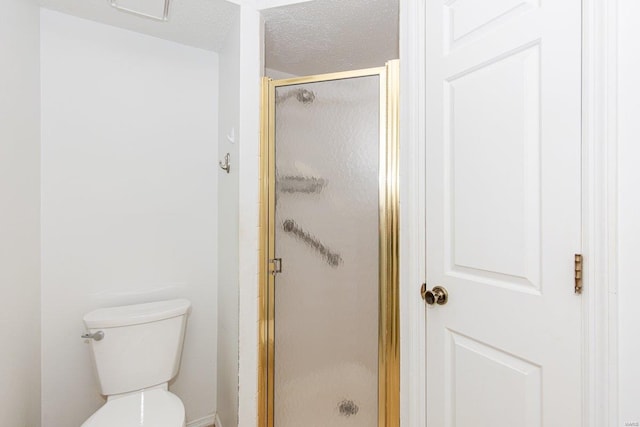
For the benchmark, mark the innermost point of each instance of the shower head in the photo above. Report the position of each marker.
(304, 96)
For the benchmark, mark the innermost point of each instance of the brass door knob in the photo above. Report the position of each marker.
(438, 295)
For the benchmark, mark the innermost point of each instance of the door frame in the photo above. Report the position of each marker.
(388, 187)
(599, 213)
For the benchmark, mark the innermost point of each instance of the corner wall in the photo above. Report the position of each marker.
(19, 214)
(251, 70)
(129, 200)
(228, 199)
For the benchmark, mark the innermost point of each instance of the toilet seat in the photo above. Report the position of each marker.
(148, 408)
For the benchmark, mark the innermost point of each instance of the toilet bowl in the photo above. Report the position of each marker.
(153, 408)
(137, 350)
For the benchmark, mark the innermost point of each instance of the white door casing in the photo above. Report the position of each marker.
(503, 218)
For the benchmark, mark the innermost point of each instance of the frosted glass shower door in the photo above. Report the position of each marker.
(327, 235)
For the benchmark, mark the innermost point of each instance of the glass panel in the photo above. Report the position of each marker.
(327, 234)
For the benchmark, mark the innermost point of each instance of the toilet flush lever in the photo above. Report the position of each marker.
(97, 336)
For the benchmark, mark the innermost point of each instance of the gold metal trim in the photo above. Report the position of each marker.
(389, 320)
(263, 259)
(389, 369)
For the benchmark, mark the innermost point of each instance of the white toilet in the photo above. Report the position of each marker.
(137, 351)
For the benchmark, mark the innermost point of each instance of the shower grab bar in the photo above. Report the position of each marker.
(300, 184)
(332, 258)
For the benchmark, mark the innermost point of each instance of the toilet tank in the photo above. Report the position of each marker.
(142, 344)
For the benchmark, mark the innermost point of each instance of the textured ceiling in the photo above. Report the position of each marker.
(199, 23)
(331, 35)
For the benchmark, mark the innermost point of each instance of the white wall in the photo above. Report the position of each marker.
(19, 214)
(629, 210)
(129, 200)
(228, 198)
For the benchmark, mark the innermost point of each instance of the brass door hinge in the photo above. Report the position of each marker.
(578, 273)
(275, 266)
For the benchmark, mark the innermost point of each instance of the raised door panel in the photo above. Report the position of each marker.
(492, 145)
(490, 387)
(466, 20)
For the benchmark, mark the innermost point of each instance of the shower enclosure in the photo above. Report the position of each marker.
(329, 305)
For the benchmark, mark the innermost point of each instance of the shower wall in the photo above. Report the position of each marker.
(326, 308)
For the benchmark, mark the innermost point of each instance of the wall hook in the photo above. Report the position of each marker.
(226, 166)
(231, 137)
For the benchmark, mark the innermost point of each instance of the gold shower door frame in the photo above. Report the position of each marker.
(388, 310)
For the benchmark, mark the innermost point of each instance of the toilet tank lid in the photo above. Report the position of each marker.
(136, 314)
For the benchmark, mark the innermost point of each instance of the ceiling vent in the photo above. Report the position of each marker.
(153, 9)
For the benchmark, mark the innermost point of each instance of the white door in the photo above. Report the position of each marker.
(503, 212)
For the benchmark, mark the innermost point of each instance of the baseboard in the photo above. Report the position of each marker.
(207, 421)
(218, 423)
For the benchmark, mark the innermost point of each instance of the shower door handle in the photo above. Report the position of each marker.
(438, 295)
